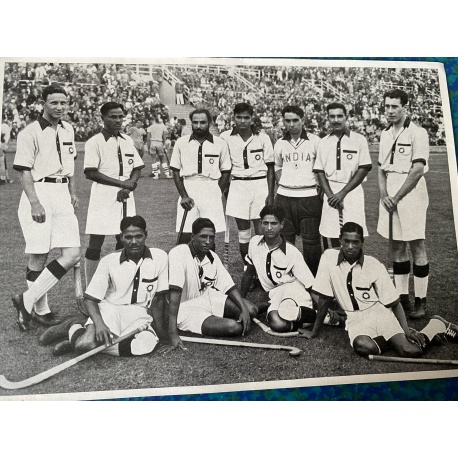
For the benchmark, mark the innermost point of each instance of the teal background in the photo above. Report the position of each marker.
(437, 390)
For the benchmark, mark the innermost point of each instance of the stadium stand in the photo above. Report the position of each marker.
(218, 88)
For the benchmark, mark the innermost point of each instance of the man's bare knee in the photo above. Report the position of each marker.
(277, 324)
(365, 345)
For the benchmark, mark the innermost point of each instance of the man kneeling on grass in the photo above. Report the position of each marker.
(203, 297)
(375, 317)
(124, 287)
(283, 273)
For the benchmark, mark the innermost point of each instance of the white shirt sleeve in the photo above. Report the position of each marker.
(91, 154)
(177, 267)
(301, 271)
(278, 159)
(225, 163)
(175, 160)
(364, 155)
(268, 150)
(323, 283)
(98, 286)
(223, 281)
(163, 272)
(25, 150)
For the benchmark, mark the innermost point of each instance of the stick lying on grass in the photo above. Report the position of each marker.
(269, 331)
(413, 360)
(7, 385)
(293, 351)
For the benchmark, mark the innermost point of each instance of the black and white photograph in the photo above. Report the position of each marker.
(184, 226)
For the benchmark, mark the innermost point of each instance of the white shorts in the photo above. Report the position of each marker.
(122, 319)
(409, 219)
(294, 290)
(247, 198)
(194, 312)
(104, 213)
(60, 230)
(207, 204)
(353, 211)
(375, 321)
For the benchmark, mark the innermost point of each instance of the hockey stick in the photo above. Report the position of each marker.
(269, 331)
(8, 385)
(79, 288)
(390, 246)
(124, 208)
(226, 243)
(293, 351)
(183, 220)
(340, 209)
(413, 360)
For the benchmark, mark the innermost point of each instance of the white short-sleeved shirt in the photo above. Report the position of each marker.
(397, 154)
(282, 264)
(340, 158)
(206, 160)
(121, 281)
(44, 151)
(296, 160)
(356, 287)
(250, 158)
(192, 277)
(115, 157)
(156, 132)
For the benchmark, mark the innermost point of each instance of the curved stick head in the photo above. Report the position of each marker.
(6, 384)
(295, 351)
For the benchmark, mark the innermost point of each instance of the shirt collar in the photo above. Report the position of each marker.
(209, 137)
(254, 130)
(303, 135)
(45, 123)
(282, 245)
(193, 250)
(107, 135)
(341, 258)
(406, 124)
(146, 254)
(346, 132)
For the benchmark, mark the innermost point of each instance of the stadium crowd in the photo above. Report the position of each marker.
(360, 89)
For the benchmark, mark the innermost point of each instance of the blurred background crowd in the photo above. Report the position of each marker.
(218, 88)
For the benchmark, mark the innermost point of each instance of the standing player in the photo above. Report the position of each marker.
(156, 138)
(363, 288)
(403, 160)
(253, 177)
(283, 273)
(45, 159)
(138, 134)
(297, 193)
(342, 163)
(125, 286)
(201, 167)
(112, 162)
(203, 297)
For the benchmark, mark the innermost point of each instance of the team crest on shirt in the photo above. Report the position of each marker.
(401, 150)
(212, 161)
(71, 150)
(150, 288)
(278, 274)
(349, 157)
(131, 161)
(366, 296)
(257, 157)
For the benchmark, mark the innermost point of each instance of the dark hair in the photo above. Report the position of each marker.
(293, 109)
(202, 223)
(200, 111)
(335, 105)
(352, 227)
(397, 94)
(273, 210)
(242, 107)
(106, 107)
(136, 221)
(52, 89)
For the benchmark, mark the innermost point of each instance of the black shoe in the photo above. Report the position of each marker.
(49, 319)
(57, 333)
(451, 331)
(419, 310)
(62, 348)
(23, 316)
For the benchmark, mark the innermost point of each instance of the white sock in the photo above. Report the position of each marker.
(72, 330)
(41, 306)
(433, 327)
(165, 167)
(402, 283)
(420, 286)
(42, 284)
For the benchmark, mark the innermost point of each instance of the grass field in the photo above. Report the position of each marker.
(329, 356)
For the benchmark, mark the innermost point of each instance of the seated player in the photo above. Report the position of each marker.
(118, 298)
(375, 317)
(203, 297)
(283, 273)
